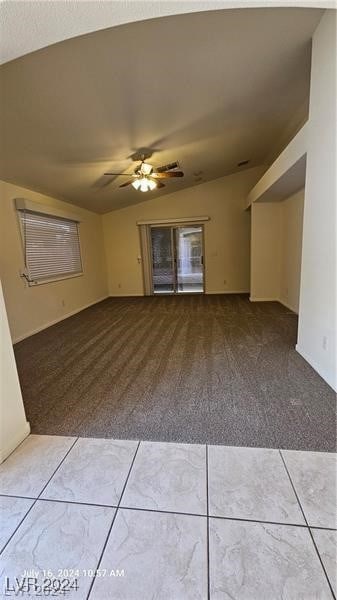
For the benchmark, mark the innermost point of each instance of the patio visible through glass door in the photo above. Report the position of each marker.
(189, 259)
(177, 260)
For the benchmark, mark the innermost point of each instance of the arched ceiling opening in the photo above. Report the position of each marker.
(28, 25)
(209, 89)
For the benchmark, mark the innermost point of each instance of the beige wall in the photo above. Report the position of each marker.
(33, 308)
(317, 332)
(291, 250)
(265, 251)
(227, 234)
(13, 424)
(276, 249)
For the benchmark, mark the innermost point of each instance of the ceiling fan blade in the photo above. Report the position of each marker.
(120, 174)
(167, 167)
(126, 183)
(165, 174)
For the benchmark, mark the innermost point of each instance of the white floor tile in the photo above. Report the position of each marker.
(250, 483)
(258, 561)
(326, 542)
(29, 468)
(168, 477)
(314, 477)
(164, 557)
(57, 536)
(94, 471)
(12, 511)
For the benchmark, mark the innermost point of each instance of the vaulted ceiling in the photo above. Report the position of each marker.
(207, 89)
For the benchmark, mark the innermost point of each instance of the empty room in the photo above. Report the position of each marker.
(168, 300)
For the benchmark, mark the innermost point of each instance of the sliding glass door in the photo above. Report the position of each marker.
(177, 260)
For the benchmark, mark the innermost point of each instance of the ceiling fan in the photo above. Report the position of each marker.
(146, 177)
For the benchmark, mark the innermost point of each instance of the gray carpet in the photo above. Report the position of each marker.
(215, 369)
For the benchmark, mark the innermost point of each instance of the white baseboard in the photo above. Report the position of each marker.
(50, 323)
(208, 293)
(328, 377)
(126, 295)
(254, 299)
(23, 433)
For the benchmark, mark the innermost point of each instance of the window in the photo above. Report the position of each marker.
(51, 247)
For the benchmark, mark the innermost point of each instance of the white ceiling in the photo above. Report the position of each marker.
(207, 89)
(290, 182)
(28, 25)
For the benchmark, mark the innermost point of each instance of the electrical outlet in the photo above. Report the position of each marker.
(119, 285)
(325, 342)
(225, 281)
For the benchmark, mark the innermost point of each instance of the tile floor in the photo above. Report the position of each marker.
(112, 519)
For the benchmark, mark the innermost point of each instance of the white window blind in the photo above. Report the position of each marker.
(51, 246)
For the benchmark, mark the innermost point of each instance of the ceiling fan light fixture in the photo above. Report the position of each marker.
(145, 178)
(144, 184)
(136, 184)
(152, 184)
(146, 168)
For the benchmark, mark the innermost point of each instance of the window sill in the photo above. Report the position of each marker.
(53, 279)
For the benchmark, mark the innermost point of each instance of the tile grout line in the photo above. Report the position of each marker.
(35, 499)
(77, 503)
(207, 539)
(18, 446)
(128, 475)
(303, 525)
(320, 528)
(168, 512)
(17, 496)
(57, 468)
(308, 526)
(112, 523)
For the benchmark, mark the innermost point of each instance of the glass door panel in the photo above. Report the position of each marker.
(189, 259)
(163, 272)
